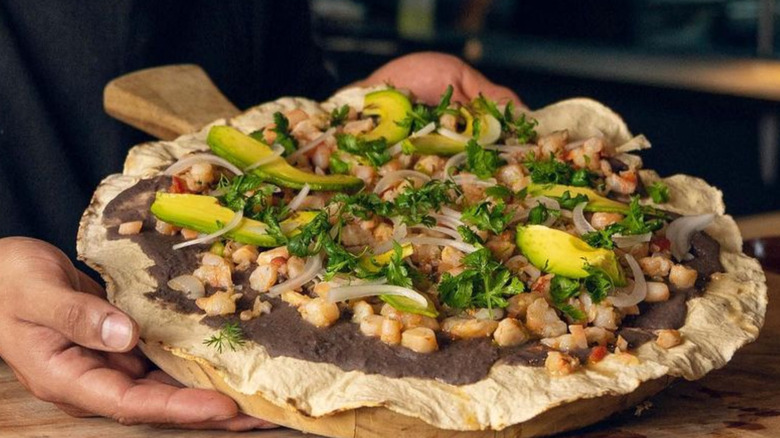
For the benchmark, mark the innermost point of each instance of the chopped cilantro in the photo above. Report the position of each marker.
(396, 270)
(583, 178)
(597, 283)
(499, 192)
(469, 236)
(635, 222)
(337, 165)
(480, 161)
(561, 289)
(283, 137)
(522, 128)
(375, 151)
(339, 115)
(549, 171)
(566, 201)
(659, 192)
(540, 213)
(414, 204)
(484, 283)
(485, 218)
(421, 115)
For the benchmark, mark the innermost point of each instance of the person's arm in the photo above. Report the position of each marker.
(69, 346)
(427, 75)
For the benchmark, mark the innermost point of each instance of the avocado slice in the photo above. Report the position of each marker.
(596, 202)
(243, 150)
(373, 263)
(437, 144)
(205, 215)
(390, 106)
(560, 253)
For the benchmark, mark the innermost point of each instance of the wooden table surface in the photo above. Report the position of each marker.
(740, 400)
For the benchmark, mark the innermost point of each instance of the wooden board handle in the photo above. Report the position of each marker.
(168, 101)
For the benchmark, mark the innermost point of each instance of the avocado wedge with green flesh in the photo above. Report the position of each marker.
(560, 253)
(432, 144)
(390, 106)
(205, 215)
(596, 202)
(243, 150)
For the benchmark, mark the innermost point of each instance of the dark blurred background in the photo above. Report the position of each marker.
(701, 78)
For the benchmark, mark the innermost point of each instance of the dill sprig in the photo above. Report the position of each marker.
(230, 336)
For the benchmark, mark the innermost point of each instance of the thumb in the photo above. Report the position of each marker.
(81, 317)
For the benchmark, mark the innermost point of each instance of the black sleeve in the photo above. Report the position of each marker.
(56, 143)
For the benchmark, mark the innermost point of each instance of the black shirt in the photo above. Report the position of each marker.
(56, 143)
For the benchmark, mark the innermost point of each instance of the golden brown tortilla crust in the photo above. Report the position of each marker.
(510, 394)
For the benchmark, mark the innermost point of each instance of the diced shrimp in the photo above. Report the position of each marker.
(313, 202)
(295, 266)
(188, 234)
(542, 320)
(296, 116)
(391, 331)
(511, 332)
(244, 256)
(306, 131)
(420, 340)
(682, 277)
(430, 164)
(294, 299)
(657, 291)
(321, 156)
(560, 364)
(268, 133)
(390, 166)
(259, 307)
(621, 344)
(518, 304)
(216, 271)
(567, 342)
(354, 235)
(319, 312)
(450, 258)
(360, 310)
(553, 143)
(199, 176)
(265, 257)
(512, 176)
(501, 246)
(129, 228)
(359, 126)
(588, 155)
(165, 228)
(383, 232)
(668, 338)
(463, 328)
(624, 182)
(601, 220)
(542, 284)
(366, 173)
(598, 335)
(220, 303)
(263, 277)
(371, 325)
(426, 257)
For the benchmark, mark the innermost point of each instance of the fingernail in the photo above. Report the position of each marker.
(117, 332)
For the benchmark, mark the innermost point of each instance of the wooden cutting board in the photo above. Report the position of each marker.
(741, 400)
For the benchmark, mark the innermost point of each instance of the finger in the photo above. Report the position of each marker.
(82, 318)
(90, 286)
(74, 411)
(240, 423)
(162, 377)
(94, 388)
(475, 83)
(127, 363)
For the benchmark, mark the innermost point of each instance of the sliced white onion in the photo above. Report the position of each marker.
(630, 160)
(574, 145)
(550, 203)
(312, 267)
(344, 293)
(209, 237)
(448, 231)
(447, 221)
(313, 144)
(392, 177)
(276, 151)
(518, 258)
(523, 149)
(681, 229)
(189, 285)
(452, 135)
(633, 293)
(296, 202)
(190, 160)
(425, 130)
(399, 228)
(580, 223)
(345, 280)
(631, 240)
(454, 161)
(451, 212)
(463, 179)
(424, 240)
(635, 144)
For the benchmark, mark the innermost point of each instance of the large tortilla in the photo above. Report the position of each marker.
(727, 316)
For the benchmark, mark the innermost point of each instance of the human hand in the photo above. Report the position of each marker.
(69, 346)
(427, 75)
